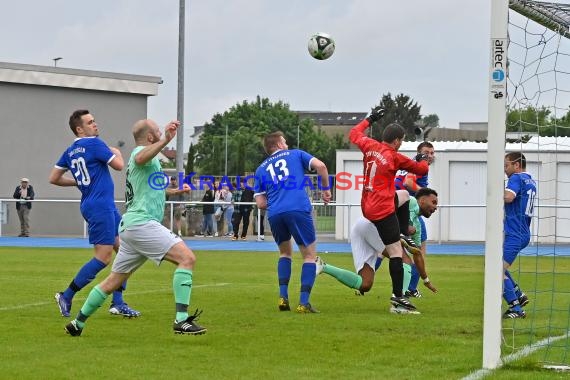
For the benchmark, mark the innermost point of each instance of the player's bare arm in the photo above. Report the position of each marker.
(185, 189)
(421, 265)
(152, 149)
(56, 177)
(117, 162)
(509, 196)
(323, 174)
(261, 201)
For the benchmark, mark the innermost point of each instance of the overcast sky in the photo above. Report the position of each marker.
(434, 51)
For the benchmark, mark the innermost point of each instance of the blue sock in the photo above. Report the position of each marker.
(85, 275)
(284, 275)
(118, 295)
(308, 275)
(509, 294)
(415, 278)
(377, 263)
(515, 285)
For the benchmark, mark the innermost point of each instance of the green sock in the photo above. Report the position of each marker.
(94, 300)
(348, 278)
(182, 285)
(407, 276)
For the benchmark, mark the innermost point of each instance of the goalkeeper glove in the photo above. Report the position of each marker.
(376, 114)
(421, 157)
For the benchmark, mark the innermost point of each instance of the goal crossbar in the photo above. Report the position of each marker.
(555, 17)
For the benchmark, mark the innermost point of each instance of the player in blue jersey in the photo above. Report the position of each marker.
(88, 159)
(280, 188)
(410, 181)
(143, 237)
(519, 197)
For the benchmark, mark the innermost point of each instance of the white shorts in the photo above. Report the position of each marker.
(366, 244)
(141, 242)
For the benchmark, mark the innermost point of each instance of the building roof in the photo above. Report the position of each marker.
(169, 153)
(75, 78)
(332, 118)
(198, 129)
(543, 144)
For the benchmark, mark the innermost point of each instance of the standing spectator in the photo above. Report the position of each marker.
(208, 222)
(228, 209)
(218, 210)
(261, 235)
(242, 212)
(25, 193)
(174, 194)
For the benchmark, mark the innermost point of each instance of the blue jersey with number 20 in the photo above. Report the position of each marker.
(518, 213)
(87, 159)
(281, 177)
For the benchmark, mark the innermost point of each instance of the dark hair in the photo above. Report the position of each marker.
(424, 192)
(392, 132)
(173, 178)
(271, 140)
(517, 157)
(75, 120)
(424, 144)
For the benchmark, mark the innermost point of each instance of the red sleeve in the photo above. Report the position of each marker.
(406, 163)
(357, 136)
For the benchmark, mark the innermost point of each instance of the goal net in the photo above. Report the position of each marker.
(535, 94)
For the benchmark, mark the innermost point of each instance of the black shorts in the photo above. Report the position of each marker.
(388, 229)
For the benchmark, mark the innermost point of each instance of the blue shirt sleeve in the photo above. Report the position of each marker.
(259, 183)
(306, 159)
(102, 151)
(62, 162)
(514, 184)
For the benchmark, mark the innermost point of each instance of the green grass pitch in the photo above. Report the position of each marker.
(248, 338)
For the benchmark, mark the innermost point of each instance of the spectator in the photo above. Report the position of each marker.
(173, 194)
(228, 209)
(25, 193)
(243, 211)
(208, 212)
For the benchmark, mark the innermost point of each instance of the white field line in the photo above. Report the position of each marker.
(25, 306)
(525, 351)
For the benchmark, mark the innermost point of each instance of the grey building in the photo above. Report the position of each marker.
(35, 105)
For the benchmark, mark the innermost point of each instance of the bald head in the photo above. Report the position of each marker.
(146, 132)
(140, 130)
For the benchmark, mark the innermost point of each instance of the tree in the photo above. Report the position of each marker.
(190, 161)
(401, 110)
(538, 120)
(247, 123)
(431, 120)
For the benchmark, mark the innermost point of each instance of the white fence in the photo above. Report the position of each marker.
(61, 217)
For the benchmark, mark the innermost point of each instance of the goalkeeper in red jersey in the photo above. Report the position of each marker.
(381, 161)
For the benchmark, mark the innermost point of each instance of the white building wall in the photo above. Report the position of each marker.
(459, 176)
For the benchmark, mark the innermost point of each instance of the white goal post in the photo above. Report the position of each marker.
(507, 91)
(495, 185)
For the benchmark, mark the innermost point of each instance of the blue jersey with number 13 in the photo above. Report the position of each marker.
(281, 177)
(518, 213)
(87, 159)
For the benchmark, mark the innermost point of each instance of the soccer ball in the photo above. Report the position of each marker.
(321, 46)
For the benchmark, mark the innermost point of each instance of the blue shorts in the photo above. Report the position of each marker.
(512, 245)
(103, 226)
(424, 231)
(298, 224)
